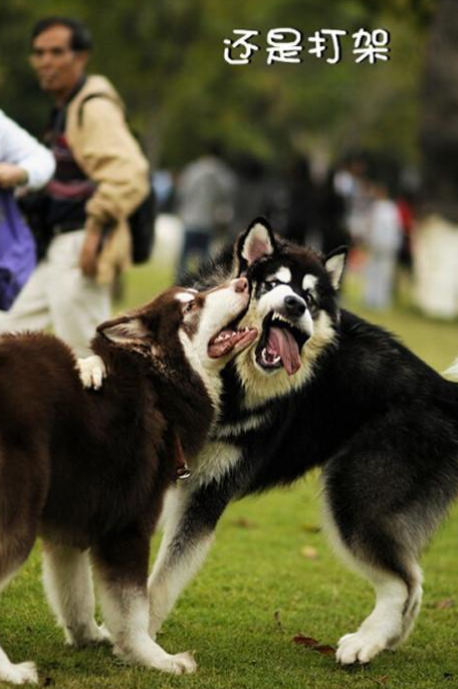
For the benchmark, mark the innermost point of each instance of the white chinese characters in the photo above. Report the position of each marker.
(242, 46)
(284, 45)
(287, 45)
(371, 45)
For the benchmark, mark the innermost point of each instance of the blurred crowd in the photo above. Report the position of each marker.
(92, 215)
(362, 202)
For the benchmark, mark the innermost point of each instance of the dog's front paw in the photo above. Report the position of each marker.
(91, 371)
(362, 647)
(179, 664)
(22, 673)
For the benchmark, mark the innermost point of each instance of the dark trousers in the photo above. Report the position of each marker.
(196, 245)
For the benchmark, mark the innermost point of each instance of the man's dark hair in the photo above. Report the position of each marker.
(80, 40)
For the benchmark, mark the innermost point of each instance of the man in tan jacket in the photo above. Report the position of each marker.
(101, 177)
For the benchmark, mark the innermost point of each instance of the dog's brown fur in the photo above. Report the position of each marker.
(86, 465)
(88, 470)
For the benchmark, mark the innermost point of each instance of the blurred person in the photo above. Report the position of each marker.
(351, 182)
(25, 165)
(252, 196)
(301, 221)
(405, 204)
(205, 200)
(383, 242)
(101, 177)
(164, 187)
(332, 215)
(24, 162)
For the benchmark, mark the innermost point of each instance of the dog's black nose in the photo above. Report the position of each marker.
(294, 306)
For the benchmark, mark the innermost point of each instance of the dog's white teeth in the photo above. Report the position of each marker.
(269, 359)
(278, 317)
(226, 335)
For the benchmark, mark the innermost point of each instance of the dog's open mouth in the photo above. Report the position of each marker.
(280, 345)
(231, 339)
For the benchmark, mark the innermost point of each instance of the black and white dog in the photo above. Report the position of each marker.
(321, 387)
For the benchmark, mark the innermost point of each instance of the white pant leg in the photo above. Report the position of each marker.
(30, 310)
(379, 280)
(59, 295)
(387, 267)
(77, 303)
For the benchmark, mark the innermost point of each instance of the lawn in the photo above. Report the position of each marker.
(269, 577)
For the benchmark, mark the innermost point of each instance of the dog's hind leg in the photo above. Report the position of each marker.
(396, 578)
(412, 608)
(67, 580)
(388, 624)
(19, 673)
(121, 567)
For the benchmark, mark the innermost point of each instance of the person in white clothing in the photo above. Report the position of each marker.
(24, 162)
(24, 165)
(383, 241)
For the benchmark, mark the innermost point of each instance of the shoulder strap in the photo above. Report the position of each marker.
(86, 99)
(102, 94)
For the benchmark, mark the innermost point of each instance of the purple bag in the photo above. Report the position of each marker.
(17, 250)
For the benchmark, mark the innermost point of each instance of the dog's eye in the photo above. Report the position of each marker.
(310, 299)
(273, 283)
(190, 306)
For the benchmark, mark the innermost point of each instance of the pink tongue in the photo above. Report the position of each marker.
(283, 344)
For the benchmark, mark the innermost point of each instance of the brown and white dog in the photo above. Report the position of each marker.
(87, 472)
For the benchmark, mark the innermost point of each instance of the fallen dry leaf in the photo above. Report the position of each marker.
(243, 523)
(445, 604)
(325, 650)
(277, 619)
(311, 528)
(310, 552)
(381, 680)
(313, 644)
(305, 641)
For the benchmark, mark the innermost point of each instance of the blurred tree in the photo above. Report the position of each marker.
(166, 58)
(436, 244)
(19, 93)
(439, 125)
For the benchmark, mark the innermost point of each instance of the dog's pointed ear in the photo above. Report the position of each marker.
(256, 242)
(335, 264)
(124, 330)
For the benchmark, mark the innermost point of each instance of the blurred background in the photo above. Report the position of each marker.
(357, 153)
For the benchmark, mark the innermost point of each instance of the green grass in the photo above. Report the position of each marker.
(258, 589)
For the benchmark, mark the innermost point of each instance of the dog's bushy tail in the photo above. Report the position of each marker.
(452, 372)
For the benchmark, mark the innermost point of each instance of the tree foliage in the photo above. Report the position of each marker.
(166, 59)
(439, 117)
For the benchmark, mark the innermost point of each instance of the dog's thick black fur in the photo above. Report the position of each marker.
(381, 424)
